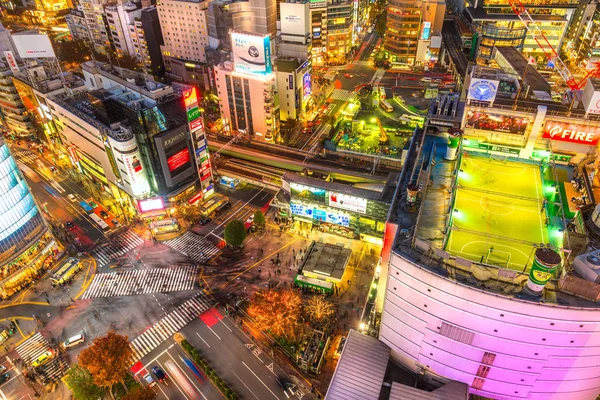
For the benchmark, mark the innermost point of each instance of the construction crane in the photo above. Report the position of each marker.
(546, 47)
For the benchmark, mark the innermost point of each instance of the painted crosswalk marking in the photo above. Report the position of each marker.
(195, 247)
(26, 155)
(140, 281)
(116, 246)
(34, 347)
(168, 325)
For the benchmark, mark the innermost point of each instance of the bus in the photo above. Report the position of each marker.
(313, 284)
(103, 225)
(382, 95)
(386, 106)
(214, 205)
(414, 118)
(66, 272)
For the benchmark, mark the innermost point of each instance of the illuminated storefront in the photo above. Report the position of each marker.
(26, 246)
(336, 208)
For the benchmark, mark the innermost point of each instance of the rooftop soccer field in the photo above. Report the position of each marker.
(498, 212)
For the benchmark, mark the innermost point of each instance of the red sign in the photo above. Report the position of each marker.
(573, 133)
(190, 98)
(178, 159)
(196, 124)
(195, 198)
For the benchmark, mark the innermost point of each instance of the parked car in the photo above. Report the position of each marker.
(205, 220)
(72, 197)
(70, 225)
(73, 341)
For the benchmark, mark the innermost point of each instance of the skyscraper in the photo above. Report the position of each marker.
(26, 244)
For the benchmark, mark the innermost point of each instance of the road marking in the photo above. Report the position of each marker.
(203, 339)
(174, 381)
(155, 358)
(237, 211)
(213, 332)
(187, 376)
(226, 325)
(274, 395)
(243, 383)
(270, 367)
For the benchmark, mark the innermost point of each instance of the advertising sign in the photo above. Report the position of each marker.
(251, 53)
(483, 89)
(426, 32)
(190, 98)
(307, 192)
(496, 122)
(178, 159)
(193, 114)
(591, 99)
(195, 125)
(306, 84)
(294, 18)
(572, 133)
(33, 46)
(346, 202)
(10, 59)
(151, 204)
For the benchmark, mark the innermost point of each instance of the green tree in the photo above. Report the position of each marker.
(235, 233)
(189, 213)
(381, 24)
(140, 393)
(108, 360)
(259, 220)
(81, 383)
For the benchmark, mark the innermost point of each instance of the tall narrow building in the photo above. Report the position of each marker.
(402, 30)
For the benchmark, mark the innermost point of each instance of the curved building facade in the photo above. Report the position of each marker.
(26, 244)
(444, 326)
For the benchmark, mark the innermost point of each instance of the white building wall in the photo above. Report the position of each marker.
(185, 29)
(540, 351)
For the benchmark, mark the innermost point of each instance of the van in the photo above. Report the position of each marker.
(73, 341)
(43, 359)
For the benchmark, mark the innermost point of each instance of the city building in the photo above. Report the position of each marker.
(15, 117)
(248, 102)
(96, 24)
(497, 25)
(339, 208)
(184, 26)
(340, 30)
(293, 86)
(295, 31)
(413, 31)
(120, 18)
(318, 32)
(27, 247)
(156, 116)
(45, 12)
(147, 39)
(78, 25)
(582, 44)
(491, 273)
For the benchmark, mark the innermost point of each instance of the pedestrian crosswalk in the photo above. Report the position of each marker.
(116, 246)
(35, 346)
(26, 155)
(343, 95)
(168, 325)
(134, 282)
(195, 247)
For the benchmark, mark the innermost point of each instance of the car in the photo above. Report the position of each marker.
(72, 197)
(2, 368)
(250, 219)
(4, 377)
(52, 168)
(348, 76)
(160, 375)
(305, 130)
(43, 359)
(205, 220)
(73, 341)
(103, 214)
(70, 225)
(116, 223)
(149, 380)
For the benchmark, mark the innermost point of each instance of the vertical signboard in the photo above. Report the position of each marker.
(200, 144)
(10, 59)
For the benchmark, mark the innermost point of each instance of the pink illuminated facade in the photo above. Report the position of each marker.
(502, 347)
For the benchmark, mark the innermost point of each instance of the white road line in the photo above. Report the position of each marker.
(203, 339)
(244, 383)
(249, 369)
(226, 325)
(213, 332)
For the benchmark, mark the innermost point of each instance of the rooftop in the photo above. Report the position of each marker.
(327, 260)
(525, 71)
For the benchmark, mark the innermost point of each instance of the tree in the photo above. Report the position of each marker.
(81, 383)
(259, 220)
(276, 312)
(235, 233)
(141, 393)
(318, 309)
(108, 360)
(189, 213)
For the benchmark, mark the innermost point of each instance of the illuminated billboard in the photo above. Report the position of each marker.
(482, 89)
(151, 204)
(345, 202)
(572, 133)
(251, 53)
(319, 215)
(426, 32)
(306, 85)
(178, 159)
(496, 122)
(33, 46)
(307, 192)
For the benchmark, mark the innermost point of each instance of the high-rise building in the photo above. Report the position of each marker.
(120, 18)
(497, 25)
(14, 114)
(77, 25)
(96, 24)
(293, 86)
(27, 247)
(340, 30)
(318, 24)
(413, 31)
(582, 41)
(147, 37)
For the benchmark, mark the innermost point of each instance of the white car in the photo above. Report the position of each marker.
(73, 341)
(250, 219)
(72, 197)
(149, 380)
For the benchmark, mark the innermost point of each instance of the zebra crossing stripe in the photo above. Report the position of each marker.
(167, 326)
(193, 246)
(34, 347)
